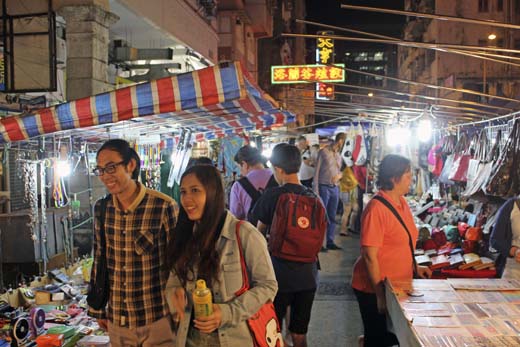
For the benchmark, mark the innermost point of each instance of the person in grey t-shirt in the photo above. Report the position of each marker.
(326, 178)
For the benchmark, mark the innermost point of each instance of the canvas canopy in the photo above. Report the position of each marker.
(212, 102)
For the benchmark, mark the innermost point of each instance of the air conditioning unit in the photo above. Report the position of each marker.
(61, 52)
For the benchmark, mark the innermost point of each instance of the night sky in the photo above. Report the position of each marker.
(330, 12)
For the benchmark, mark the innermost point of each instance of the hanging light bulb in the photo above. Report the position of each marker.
(424, 130)
(63, 168)
(267, 152)
(398, 136)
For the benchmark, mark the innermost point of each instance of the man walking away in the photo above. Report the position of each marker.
(297, 223)
(326, 178)
(132, 237)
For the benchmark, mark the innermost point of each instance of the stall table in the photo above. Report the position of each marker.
(455, 312)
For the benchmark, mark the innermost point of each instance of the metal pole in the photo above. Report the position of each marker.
(433, 16)
(433, 98)
(445, 50)
(458, 90)
(405, 43)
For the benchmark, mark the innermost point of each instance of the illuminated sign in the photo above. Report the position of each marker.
(324, 91)
(307, 73)
(325, 55)
(325, 48)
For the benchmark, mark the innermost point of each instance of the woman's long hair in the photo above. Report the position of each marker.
(196, 248)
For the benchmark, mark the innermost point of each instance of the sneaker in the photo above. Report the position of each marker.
(333, 247)
(343, 233)
(324, 250)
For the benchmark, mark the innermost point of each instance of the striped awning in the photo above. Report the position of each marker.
(212, 102)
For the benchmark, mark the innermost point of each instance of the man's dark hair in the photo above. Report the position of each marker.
(392, 166)
(287, 157)
(250, 155)
(126, 152)
(301, 137)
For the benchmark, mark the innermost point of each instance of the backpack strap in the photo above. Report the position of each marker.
(103, 207)
(250, 189)
(396, 214)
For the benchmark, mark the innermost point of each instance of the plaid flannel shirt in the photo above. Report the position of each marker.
(136, 242)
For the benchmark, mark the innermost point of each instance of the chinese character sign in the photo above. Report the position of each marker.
(325, 48)
(307, 73)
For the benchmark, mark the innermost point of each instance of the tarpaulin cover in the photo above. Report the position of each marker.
(213, 102)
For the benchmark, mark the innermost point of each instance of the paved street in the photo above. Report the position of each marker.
(335, 319)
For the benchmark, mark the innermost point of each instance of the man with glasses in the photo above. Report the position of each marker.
(137, 224)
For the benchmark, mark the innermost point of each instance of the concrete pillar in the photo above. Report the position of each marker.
(87, 49)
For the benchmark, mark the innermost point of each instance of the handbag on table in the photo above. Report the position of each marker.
(263, 325)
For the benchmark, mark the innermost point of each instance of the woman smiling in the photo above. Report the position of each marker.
(205, 247)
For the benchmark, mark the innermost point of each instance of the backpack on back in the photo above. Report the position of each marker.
(255, 194)
(298, 228)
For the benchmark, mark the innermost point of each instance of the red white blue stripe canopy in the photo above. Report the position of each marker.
(212, 102)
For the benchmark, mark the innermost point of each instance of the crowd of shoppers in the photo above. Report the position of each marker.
(156, 251)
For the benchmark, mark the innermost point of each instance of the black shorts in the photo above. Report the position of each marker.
(301, 307)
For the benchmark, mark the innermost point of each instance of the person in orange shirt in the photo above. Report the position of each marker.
(386, 249)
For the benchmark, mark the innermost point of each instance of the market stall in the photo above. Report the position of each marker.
(455, 312)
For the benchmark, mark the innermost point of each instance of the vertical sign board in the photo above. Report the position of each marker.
(324, 55)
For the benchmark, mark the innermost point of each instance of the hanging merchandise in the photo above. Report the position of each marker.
(228, 148)
(484, 168)
(478, 161)
(30, 175)
(59, 191)
(150, 155)
(435, 161)
(360, 150)
(448, 148)
(376, 147)
(180, 158)
(461, 158)
(504, 180)
(348, 147)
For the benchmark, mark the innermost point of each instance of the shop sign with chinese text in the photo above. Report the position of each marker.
(307, 73)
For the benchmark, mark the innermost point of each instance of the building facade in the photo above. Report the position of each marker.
(461, 71)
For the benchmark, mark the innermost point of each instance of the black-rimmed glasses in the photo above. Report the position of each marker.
(109, 169)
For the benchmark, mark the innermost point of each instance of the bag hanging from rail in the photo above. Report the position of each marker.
(479, 157)
(461, 158)
(448, 146)
(504, 180)
(485, 165)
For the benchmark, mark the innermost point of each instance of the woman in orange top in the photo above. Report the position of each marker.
(385, 249)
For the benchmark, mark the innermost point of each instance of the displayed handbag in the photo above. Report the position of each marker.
(263, 325)
(99, 288)
(446, 170)
(484, 169)
(461, 158)
(504, 178)
(477, 164)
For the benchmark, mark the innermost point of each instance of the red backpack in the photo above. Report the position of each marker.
(298, 227)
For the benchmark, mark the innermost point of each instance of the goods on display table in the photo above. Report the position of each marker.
(52, 311)
(455, 312)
